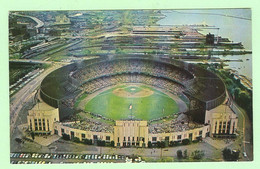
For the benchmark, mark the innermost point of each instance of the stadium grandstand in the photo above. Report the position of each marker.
(204, 91)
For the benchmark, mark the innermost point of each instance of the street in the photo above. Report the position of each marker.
(245, 127)
(21, 97)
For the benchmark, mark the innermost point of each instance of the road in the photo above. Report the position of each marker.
(18, 100)
(36, 61)
(38, 21)
(246, 130)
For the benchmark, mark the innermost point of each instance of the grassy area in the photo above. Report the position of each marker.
(15, 56)
(59, 56)
(163, 159)
(145, 108)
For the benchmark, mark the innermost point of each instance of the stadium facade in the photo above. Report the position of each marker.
(208, 114)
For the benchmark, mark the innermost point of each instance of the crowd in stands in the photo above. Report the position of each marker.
(91, 124)
(96, 84)
(100, 116)
(202, 87)
(131, 65)
(178, 124)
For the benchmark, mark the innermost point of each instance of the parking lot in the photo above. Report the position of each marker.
(40, 158)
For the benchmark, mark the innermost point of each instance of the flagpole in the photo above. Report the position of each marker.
(131, 111)
(131, 114)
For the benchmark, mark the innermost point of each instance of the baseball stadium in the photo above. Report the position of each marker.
(132, 101)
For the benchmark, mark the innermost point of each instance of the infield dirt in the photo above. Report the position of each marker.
(145, 92)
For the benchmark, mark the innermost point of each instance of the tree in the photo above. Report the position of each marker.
(158, 144)
(98, 142)
(103, 143)
(197, 154)
(226, 154)
(171, 143)
(90, 142)
(112, 143)
(235, 155)
(65, 136)
(162, 144)
(85, 141)
(229, 155)
(150, 144)
(179, 154)
(18, 140)
(76, 139)
(199, 138)
(185, 154)
(185, 141)
(32, 135)
(237, 92)
(229, 82)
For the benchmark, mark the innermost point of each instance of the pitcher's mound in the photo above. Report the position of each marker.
(144, 92)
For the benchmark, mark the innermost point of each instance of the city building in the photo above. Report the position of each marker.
(210, 39)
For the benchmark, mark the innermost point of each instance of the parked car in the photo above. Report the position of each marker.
(244, 154)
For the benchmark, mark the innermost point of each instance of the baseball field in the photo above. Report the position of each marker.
(132, 102)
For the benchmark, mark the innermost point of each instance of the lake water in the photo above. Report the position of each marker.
(234, 24)
(244, 68)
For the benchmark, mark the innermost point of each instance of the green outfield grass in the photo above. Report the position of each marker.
(145, 108)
